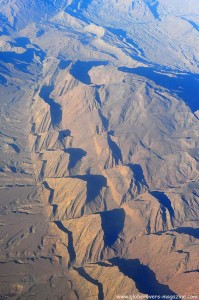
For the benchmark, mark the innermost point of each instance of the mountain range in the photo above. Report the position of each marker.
(99, 160)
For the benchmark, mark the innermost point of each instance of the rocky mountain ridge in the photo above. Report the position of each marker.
(105, 191)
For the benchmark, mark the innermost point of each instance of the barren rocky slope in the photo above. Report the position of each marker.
(99, 149)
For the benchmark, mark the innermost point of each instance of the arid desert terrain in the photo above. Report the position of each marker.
(99, 149)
